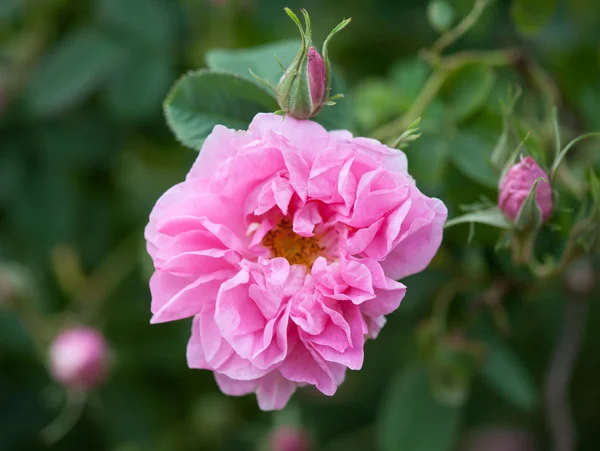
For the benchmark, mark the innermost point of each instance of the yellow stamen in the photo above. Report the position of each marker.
(296, 249)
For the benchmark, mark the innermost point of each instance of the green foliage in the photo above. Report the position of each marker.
(139, 87)
(262, 60)
(200, 100)
(411, 418)
(74, 68)
(531, 16)
(467, 90)
(440, 14)
(85, 153)
(507, 375)
(470, 153)
(138, 22)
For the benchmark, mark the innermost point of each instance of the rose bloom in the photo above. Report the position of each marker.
(284, 243)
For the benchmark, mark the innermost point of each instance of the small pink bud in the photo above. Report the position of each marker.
(79, 358)
(316, 77)
(288, 438)
(499, 439)
(516, 185)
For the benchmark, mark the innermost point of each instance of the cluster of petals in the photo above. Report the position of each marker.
(268, 323)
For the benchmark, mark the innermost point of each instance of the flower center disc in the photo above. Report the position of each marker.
(296, 249)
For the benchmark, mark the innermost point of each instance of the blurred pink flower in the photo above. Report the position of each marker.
(284, 243)
(288, 438)
(516, 185)
(79, 358)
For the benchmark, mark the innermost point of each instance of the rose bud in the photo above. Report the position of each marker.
(305, 85)
(79, 358)
(288, 438)
(517, 185)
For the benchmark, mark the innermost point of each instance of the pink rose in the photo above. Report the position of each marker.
(516, 185)
(284, 243)
(79, 358)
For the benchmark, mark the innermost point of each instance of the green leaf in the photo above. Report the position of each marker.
(492, 216)
(409, 77)
(146, 22)
(470, 153)
(8, 9)
(428, 161)
(531, 16)
(137, 91)
(563, 153)
(467, 90)
(412, 419)
(507, 375)
(200, 100)
(530, 214)
(76, 66)
(260, 60)
(375, 102)
(440, 15)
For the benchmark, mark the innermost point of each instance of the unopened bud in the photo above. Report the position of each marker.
(516, 187)
(288, 438)
(79, 358)
(305, 85)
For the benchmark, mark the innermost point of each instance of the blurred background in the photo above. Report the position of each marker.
(85, 153)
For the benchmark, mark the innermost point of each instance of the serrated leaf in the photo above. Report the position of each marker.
(492, 216)
(506, 374)
(200, 100)
(137, 90)
(471, 154)
(412, 419)
(467, 90)
(74, 68)
(260, 60)
(530, 16)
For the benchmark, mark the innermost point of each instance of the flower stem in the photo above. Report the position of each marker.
(558, 412)
(425, 97)
(454, 34)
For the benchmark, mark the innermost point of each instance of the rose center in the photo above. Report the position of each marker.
(296, 249)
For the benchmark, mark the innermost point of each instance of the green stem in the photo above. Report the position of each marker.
(425, 97)
(443, 68)
(454, 34)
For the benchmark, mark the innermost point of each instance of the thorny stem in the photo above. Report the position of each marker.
(558, 378)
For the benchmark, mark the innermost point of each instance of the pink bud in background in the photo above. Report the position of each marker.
(288, 438)
(79, 358)
(499, 439)
(516, 185)
(316, 77)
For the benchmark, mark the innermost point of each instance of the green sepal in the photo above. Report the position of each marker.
(530, 214)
